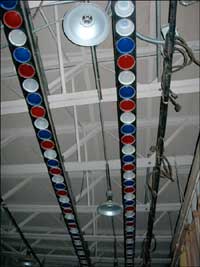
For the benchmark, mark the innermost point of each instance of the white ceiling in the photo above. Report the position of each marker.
(26, 187)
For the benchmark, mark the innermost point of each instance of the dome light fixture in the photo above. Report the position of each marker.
(109, 208)
(86, 25)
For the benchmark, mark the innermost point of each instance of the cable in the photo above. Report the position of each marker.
(20, 232)
(81, 189)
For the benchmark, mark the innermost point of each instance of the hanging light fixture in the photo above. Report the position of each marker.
(26, 261)
(108, 208)
(86, 25)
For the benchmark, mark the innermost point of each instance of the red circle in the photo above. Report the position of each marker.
(47, 145)
(72, 225)
(67, 211)
(128, 139)
(55, 171)
(127, 105)
(130, 208)
(126, 62)
(130, 223)
(38, 112)
(26, 71)
(128, 167)
(61, 193)
(129, 190)
(12, 19)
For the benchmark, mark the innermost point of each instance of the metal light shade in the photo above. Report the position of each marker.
(86, 25)
(109, 208)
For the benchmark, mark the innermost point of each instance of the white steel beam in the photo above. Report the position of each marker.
(66, 237)
(104, 260)
(33, 169)
(82, 141)
(108, 125)
(24, 222)
(16, 188)
(109, 95)
(86, 209)
(92, 185)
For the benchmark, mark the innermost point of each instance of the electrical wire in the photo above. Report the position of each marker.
(82, 185)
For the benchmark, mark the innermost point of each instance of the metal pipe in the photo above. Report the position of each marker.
(158, 36)
(165, 85)
(60, 54)
(98, 87)
(20, 232)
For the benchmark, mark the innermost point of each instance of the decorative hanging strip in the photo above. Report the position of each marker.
(124, 42)
(15, 16)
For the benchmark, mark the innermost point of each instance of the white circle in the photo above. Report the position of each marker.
(126, 77)
(81, 252)
(50, 154)
(129, 214)
(74, 230)
(69, 216)
(129, 196)
(129, 241)
(17, 37)
(129, 252)
(124, 8)
(129, 175)
(57, 178)
(128, 149)
(30, 85)
(64, 199)
(125, 27)
(77, 242)
(129, 228)
(41, 123)
(127, 117)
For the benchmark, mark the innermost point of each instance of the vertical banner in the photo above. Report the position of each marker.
(15, 16)
(124, 44)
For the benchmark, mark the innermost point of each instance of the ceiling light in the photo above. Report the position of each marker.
(86, 25)
(109, 208)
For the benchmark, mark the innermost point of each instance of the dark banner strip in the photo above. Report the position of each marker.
(15, 16)
(124, 44)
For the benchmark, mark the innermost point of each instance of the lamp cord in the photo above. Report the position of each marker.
(99, 91)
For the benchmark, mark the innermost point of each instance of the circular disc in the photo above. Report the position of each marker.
(86, 25)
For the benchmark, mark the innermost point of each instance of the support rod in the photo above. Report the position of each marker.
(20, 232)
(165, 85)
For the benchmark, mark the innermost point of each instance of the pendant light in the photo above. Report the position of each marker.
(107, 208)
(86, 24)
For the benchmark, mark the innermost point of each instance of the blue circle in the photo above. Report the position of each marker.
(22, 55)
(125, 45)
(128, 158)
(34, 99)
(128, 129)
(53, 163)
(71, 221)
(8, 5)
(129, 202)
(66, 205)
(131, 219)
(44, 134)
(129, 183)
(127, 92)
(59, 186)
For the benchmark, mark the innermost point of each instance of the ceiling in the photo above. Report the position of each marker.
(25, 184)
